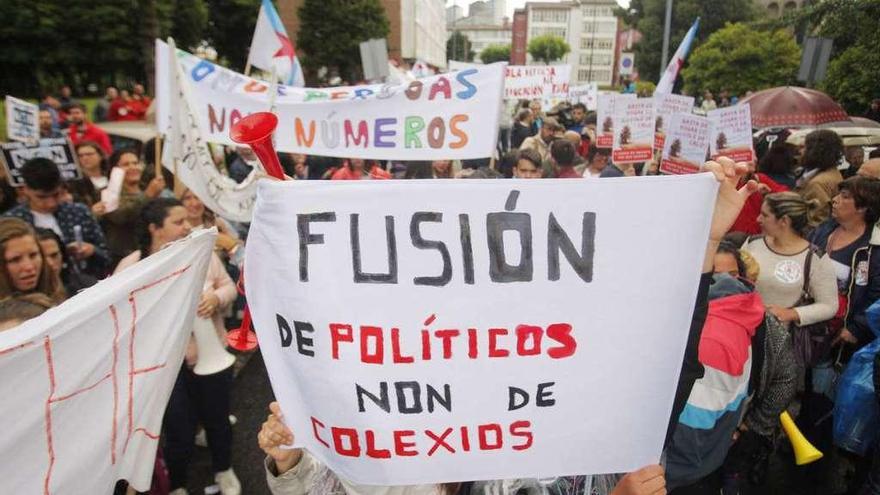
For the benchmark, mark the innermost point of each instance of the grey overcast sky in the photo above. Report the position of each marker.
(511, 4)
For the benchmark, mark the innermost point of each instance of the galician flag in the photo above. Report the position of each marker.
(271, 47)
(671, 73)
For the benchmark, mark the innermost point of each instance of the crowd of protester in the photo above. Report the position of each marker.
(793, 265)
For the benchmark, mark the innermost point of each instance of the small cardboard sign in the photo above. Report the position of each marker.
(588, 94)
(665, 105)
(22, 120)
(633, 130)
(687, 139)
(730, 133)
(605, 117)
(59, 150)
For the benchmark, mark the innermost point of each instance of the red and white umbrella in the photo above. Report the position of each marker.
(790, 106)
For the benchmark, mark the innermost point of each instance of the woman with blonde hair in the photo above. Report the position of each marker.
(783, 253)
(22, 263)
(200, 217)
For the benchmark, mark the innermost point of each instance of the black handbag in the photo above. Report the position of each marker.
(812, 342)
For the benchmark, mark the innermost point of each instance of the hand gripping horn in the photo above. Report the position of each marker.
(255, 130)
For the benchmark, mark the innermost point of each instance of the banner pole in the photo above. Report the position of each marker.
(157, 155)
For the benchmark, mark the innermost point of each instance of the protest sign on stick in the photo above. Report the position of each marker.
(448, 116)
(605, 117)
(686, 144)
(730, 133)
(665, 105)
(22, 120)
(422, 340)
(587, 94)
(59, 150)
(633, 130)
(85, 385)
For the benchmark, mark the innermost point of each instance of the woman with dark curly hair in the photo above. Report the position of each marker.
(823, 150)
(852, 240)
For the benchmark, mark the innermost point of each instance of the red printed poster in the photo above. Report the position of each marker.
(687, 139)
(633, 130)
(730, 133)
(664, 107)
(605, 117)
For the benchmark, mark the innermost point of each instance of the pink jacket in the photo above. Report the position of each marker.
(216, 281)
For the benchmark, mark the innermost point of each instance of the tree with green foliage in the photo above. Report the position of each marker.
(458, 47)
(648, 16)
(231, 24)
(739, 59)
(853, 78)
(495, 53)
(548, 48)
(853, 75)
(331, 31)
(48, 43)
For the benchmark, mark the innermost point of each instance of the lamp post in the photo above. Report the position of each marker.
(667, 26)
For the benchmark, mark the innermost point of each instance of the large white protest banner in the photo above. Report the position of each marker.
(186, 154)
(449, 116)
(85, 385)
(22, 120)
(422, 331)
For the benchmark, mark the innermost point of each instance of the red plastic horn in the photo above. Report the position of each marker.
(255, 130)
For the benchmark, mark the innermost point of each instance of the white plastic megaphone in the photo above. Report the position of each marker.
(213, 356)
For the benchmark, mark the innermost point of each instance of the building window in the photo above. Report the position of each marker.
(789, 6)
(602, 27)
(600, 76)
(597, 11)
(774, 9)
(589, 43)
(541, 31)
(598, 59)
(549, 15)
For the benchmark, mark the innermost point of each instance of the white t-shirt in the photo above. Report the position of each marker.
(99, 182)
(47, 221)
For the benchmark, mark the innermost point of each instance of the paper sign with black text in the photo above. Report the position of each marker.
(633, 130)
(665, 105)
(85, 385)
(59, 150)
(22, 120)
(536, 81)
(605, 117)
(686, 144)
(588, 94)
(425, 331)
(730, 133)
